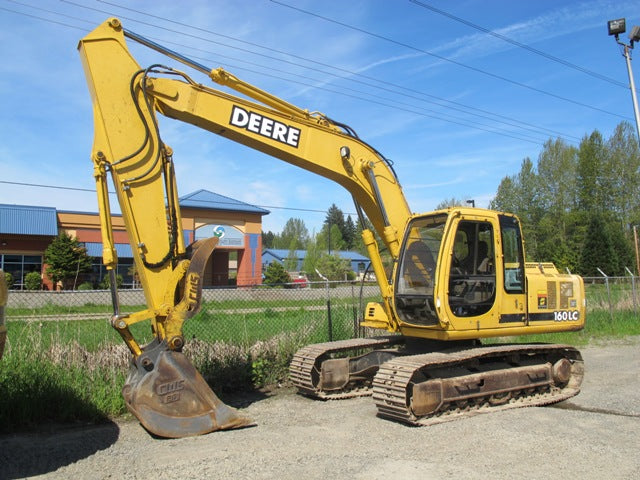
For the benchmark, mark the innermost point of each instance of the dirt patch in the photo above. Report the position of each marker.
(592, 436)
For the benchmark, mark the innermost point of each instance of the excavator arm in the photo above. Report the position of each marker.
(128, 148)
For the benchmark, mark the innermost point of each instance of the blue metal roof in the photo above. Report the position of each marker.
(214, 201)
(94, 249)
(281, 254)
(28, 220)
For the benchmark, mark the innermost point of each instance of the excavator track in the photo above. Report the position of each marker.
(436, 387)
(316, 374)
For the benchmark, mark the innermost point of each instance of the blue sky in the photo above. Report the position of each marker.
(455, 108)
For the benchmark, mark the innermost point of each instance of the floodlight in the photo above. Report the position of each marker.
(635, 33)
(616, 27)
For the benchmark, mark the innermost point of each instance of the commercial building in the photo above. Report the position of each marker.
(359, 263)
(26, 231)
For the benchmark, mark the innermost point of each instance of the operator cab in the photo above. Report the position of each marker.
(451, 257)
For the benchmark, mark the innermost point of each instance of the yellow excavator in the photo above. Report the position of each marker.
(459, 275)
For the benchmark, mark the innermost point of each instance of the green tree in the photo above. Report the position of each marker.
(598, 251)
(335, 230)
(291, 262)
(310, 261)
(591, 158)
(65, 259)
(451, 202)
(294, 233)
(333, 267)
(268, 239)
(275, 274)
(335, 216)
(622, 170)
(351, 233)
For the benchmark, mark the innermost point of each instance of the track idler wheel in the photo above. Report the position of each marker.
(171, 399)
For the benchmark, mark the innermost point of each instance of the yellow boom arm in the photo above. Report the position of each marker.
(127, 145)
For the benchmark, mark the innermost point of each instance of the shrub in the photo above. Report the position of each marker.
(33, 281)
(8, 279)
(105, 283)
(85, 286)
(275, 274)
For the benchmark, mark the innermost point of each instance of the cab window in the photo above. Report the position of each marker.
(472, 277)
(513, 255)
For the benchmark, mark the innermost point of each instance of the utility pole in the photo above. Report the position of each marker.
(615, 28)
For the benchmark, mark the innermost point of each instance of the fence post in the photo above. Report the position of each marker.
(633, 290)
(329, 324)
(606, 281)
(354, 310)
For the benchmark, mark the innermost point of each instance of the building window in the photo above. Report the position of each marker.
(18, 266)
(99, 272)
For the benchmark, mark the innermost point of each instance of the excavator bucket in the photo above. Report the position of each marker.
(171, 399)
(164, 390)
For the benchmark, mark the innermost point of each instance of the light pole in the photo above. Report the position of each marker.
(615, 28)
(635, 244)
(472, 203)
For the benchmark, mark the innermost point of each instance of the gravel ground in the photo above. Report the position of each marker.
(592, 436)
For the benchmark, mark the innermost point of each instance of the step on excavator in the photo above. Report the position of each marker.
(459, 275)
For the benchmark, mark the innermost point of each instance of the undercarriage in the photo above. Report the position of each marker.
(423, 383)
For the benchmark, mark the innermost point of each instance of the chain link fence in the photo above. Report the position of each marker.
(319, 311)
(613, 294)
(241, 336)
(240, 316)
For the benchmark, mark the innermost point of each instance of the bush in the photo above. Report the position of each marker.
(33, 281)
(85, 286)
(105, 283)
(275, 274)
(8, 279)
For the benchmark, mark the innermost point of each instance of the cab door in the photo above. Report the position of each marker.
(471, 280)
(513, 311)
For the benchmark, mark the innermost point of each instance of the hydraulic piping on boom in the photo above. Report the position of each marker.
(459, 275)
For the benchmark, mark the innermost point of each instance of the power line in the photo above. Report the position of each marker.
(410, 108)
(521, 45)
(78, 189)
(449, 60)
(436, 115)
(343, 70)
(509, 120)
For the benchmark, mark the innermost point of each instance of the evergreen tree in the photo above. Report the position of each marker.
(275, 274)
(65, 259)
(335, 229)
(268, 239)
(335, 216)
(351, 233)
(598, 251)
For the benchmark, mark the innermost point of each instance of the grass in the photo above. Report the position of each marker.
(599, 328)
(73, 370)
